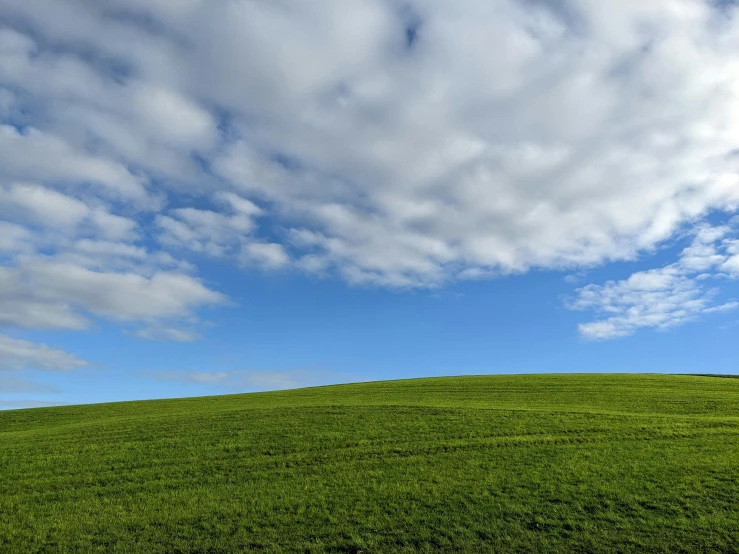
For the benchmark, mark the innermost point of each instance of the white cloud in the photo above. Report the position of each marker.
(41, 205)
(240, 205)
(172, 118)
(116, 257)
(508, 135)
(18, 354)
(204, 231)
(659, 298)
(733, 305)
(465, 154)
(48, 294)
(167, 334)
(217, 234)
(731, 265)
(13, 237)
(35, 156)
(103, 248)
(58, 218)
(267, 255)
(111, 226)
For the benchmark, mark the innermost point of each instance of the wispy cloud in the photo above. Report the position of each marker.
(250, 379)
(13, 385)
(20, 404)
(665, 297)
(167, 334)
(17, 354)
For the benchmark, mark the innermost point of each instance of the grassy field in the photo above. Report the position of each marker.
(535, 463)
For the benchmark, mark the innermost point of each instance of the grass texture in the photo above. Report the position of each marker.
(527, 463)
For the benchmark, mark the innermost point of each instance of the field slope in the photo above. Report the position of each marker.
(535, 463)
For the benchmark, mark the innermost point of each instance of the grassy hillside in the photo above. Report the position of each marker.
(539, 463)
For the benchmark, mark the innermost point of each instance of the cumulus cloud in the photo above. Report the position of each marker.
(661, 298)
(268, 255)
(16, 354)
(207, 231)
(42, 293)
(41, 205)
(13, 237)
(33, 155)
(392, 145)
(56, 219)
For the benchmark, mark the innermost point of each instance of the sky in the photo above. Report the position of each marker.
(204, 197)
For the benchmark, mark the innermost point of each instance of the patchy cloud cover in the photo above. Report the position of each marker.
(665, 297)
(399, 144)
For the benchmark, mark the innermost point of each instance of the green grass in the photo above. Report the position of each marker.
(535, 463)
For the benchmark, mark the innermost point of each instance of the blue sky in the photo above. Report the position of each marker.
(201, 198)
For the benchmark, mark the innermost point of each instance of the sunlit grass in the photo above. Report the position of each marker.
(538, 463)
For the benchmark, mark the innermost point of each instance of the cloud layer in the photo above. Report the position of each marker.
(400, 144)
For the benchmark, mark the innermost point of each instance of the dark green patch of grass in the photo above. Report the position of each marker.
(537, 463)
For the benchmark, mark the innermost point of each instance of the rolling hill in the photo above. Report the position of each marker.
(525, 463)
